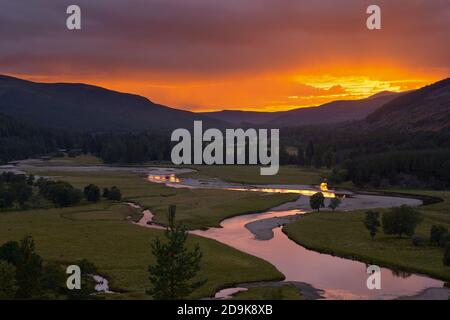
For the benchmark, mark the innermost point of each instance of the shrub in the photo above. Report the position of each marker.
(87, 267)
(447, 254)
(445, 237)
(317, 201)
(92, 193)
(334, 203)
(115, 194)
(417, 240)
(436, 234)
(372, 222)
(400, 221)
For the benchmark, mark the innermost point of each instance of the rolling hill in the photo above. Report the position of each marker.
(332, 112)
(425, 109)
(81, 107)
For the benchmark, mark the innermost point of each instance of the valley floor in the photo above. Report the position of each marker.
(103, 232)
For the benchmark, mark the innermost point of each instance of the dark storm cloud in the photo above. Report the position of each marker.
(215, 37)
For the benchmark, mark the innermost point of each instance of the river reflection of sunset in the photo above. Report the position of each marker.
(163, 178)
(173, 179)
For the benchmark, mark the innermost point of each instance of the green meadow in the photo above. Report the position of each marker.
(101, 233)
(197, 208)
(343, 234)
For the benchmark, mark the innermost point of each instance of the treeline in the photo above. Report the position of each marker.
(372, 158)
(376, 158)
(20, 141)
(421, 168)
(128, 148)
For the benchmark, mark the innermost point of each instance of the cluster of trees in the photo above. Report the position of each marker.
(317, 201)
(25, 275)
(92, 193)
(15, 189)
(22, 191)
(112, 194)
(61, 193)
(404, 221)
(398, 221)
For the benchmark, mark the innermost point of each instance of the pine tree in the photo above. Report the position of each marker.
(334, 203)
(372, 222)
(176, 266)
(29, 270)
(317, 201)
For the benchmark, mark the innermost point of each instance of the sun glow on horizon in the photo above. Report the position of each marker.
(268, 93)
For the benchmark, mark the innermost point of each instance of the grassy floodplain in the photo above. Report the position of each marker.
(343, 234)
(103, 234)
(196, 208)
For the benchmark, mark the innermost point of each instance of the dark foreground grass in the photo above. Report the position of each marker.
(286, 292)
(343, 234)
(121, 250)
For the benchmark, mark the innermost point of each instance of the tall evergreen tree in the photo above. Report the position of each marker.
(29, 270)
(8, 286)
(372, 222)
(176, 265)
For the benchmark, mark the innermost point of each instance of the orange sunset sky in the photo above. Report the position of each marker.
(204, 55)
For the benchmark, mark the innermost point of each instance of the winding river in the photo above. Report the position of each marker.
(261, 235)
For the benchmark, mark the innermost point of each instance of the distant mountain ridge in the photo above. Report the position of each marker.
(82, 107)
(87, 108)
(332, 112)
(425, 109)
